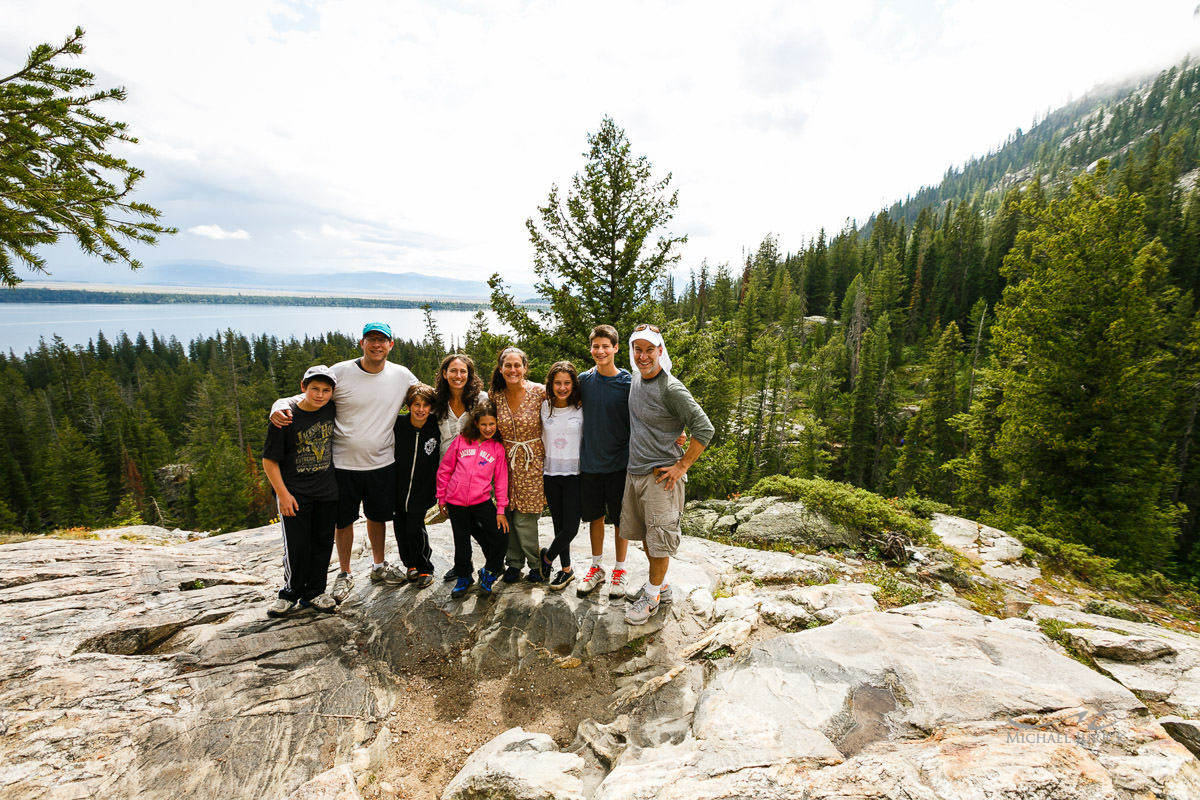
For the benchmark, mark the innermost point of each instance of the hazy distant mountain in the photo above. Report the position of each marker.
(216, 275)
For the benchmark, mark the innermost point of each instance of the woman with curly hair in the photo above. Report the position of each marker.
(457, 391)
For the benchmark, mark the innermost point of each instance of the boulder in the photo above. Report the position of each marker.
(767, 521)
(517, 765)
(332, 784)
(1155, 663)
(1118, 646)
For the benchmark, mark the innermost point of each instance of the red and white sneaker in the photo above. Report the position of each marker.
(618, 584)
(594, 577)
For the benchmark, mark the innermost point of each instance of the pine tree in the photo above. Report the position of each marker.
(1086, 375)
(57, 155)
(599, 251)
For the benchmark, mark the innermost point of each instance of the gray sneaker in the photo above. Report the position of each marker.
(342, 586)
(389, 574)
(593, 578)
(664, 594)
(321, 602)
(642, 609)
(280, 608)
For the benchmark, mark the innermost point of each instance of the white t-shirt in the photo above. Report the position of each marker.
(367, 404)
(562, 433)
(450, 425)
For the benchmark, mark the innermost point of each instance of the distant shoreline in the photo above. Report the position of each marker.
(79, 295)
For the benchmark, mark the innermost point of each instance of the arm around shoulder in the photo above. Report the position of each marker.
(281, 410)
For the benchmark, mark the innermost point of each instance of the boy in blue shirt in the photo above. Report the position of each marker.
(604, 455)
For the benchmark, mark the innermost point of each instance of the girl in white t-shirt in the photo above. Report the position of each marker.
(562, 432)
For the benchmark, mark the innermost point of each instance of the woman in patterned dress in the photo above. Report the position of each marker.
(518, 414)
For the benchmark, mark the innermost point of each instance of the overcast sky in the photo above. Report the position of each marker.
(418, 136)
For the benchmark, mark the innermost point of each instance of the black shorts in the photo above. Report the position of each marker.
(600, 492)
(375, 489)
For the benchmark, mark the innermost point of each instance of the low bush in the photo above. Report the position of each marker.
(857, 509)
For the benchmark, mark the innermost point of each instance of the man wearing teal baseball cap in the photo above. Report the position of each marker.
(370, 392)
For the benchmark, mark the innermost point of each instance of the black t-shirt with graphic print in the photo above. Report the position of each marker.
(304, 452)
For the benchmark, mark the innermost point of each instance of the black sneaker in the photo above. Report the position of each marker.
(450, 575)
(534, 576)
(561, 580)
(511, 575)
(547, 564)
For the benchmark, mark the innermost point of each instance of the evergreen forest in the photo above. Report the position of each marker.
(1019, 344)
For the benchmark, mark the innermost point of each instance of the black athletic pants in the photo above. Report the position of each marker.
(477, 522)
(412, 540)
(307, 545)
(562, 495)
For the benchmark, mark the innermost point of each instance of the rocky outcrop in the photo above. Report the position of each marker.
(151, 671)
(140, 671)
(766, 520)
(999, 555)
(1157, 664)
(929, 701)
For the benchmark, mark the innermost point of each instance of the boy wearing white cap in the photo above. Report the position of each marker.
(298, 461)
(660, 408)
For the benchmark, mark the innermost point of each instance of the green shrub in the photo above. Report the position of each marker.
(1079, 560)
(893, 592)
(922, 507)
(857, 509)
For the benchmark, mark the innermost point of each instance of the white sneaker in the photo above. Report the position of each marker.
(619, 583)
(642, 609)
(664, 594)
(342, 586)
(593, 578)
(280, 608)
(389, 574)
(321, 602)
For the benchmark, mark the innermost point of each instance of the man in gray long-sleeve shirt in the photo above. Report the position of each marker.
(660, 408)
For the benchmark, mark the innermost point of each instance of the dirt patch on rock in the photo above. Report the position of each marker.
(445, 712)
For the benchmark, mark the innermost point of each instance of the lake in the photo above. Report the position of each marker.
(23, 324)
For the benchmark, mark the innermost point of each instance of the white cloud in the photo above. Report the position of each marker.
(217, 232)
(418, 136)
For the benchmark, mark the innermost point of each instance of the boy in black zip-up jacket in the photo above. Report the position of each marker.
(416, 482)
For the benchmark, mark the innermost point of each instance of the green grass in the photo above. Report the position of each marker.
(893, 592)
(60, 533)
(1056, 631)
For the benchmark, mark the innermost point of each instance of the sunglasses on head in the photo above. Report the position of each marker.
(645, 327)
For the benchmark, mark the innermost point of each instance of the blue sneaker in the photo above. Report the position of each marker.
(486, 579)
(460, 588)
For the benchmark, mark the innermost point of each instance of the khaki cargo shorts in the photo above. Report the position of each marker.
(650, 514)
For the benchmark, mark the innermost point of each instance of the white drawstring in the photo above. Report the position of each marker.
(527, 447)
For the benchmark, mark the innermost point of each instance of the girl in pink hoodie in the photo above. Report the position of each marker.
(473, 468)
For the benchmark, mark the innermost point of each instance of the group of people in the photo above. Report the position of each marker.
(607, 442)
